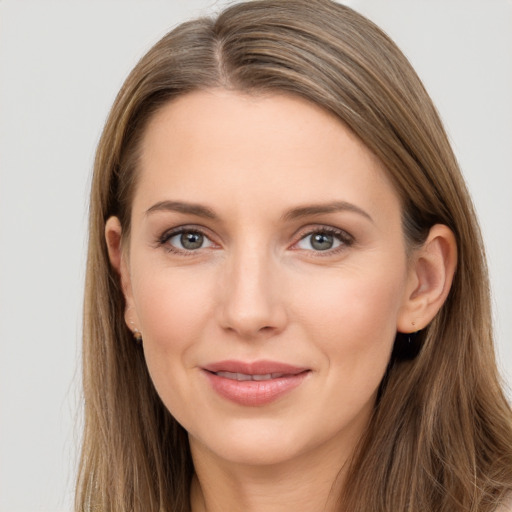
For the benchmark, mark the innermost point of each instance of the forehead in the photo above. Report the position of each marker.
(256, 150)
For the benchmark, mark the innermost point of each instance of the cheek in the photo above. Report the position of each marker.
(353, 325)
(353, 316)
(174, 311)
(173, 308)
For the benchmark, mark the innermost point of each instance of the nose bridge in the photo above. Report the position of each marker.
(251, 302)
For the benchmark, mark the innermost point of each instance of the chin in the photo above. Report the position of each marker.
(267, 442)
(257, 454)
(249, 442)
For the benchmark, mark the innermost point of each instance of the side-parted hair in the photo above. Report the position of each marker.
(440, 438)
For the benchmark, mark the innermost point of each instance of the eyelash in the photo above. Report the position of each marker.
(346, 240)
(165, 237)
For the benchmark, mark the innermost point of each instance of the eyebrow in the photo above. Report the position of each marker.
(293, 214)
(319, 209)
(181, 207)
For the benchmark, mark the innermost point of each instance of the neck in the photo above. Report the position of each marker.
(309, 483)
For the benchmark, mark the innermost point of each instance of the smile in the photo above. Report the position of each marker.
(254, 384)
(245, 376)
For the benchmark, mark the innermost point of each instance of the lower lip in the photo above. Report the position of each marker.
(254, 393)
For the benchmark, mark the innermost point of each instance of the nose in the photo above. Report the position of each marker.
(252, 303)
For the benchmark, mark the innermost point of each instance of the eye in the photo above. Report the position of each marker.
(324, 240)
(186, 240)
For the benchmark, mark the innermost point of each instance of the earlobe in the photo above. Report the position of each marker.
(430, 278)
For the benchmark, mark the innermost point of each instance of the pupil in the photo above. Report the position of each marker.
(322, 242)
(191, 240)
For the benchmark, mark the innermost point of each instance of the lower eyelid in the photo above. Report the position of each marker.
(337, 243)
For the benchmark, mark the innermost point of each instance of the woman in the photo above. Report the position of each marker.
(287, 304)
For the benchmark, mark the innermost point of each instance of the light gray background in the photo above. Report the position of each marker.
(61, 64)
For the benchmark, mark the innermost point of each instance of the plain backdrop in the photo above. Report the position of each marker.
(61, 64)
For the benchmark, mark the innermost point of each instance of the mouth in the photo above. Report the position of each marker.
(246, 376)
(254, 384)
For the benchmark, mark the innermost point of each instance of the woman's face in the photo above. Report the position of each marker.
(267, 273)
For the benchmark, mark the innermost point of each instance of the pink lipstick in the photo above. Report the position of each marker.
(254, 384)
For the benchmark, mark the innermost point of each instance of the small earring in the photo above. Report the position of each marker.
(137, 335)
(407, 346)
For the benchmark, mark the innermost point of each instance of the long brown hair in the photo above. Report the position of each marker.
(441, 435)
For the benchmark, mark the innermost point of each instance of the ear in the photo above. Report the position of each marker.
(119, 260)
(431, 272)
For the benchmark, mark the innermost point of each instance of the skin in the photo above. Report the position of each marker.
(258, 289)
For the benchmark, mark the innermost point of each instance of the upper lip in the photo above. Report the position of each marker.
(254, 368)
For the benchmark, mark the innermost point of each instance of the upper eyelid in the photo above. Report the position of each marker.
(192, 228)
(306, 231)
